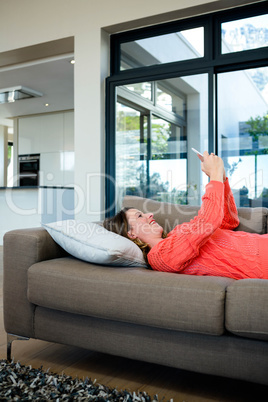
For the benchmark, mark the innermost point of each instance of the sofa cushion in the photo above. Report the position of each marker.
(91, 242)
(134, 295)
(169, 215)
(247, 308)
(253, 220)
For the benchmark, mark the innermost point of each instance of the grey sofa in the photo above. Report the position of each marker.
(210, 325)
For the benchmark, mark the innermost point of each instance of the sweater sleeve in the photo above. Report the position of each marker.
(183, 243)
(230, 219)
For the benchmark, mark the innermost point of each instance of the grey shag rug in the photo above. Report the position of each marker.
(24, 383)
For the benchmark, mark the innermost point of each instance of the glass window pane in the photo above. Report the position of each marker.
(168, 158)
(130, 152)
(177, 46)
(166, 139)
(243, 133)
(244, 34)
(167, 97)
(153, 148)
(143, 89)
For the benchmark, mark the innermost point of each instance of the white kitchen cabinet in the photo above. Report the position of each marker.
(68, 168)
(26, 208)
(56, 168)
(29, 140)
(51, 169)
(51, 132)
(19, 209)
(46, 133)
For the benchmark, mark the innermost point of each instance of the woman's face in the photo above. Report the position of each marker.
(143, 226)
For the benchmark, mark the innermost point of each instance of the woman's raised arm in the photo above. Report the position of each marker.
(230, 219)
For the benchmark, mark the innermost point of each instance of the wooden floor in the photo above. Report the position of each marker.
(167, 383)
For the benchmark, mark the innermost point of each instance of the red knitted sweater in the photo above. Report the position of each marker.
(207, 246)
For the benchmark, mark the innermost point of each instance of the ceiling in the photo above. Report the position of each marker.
(54, 77)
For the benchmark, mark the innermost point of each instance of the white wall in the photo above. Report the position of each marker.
(3, 155)
(29, 22)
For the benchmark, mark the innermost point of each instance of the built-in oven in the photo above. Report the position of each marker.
(29, 170)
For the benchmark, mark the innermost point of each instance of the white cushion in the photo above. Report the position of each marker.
(93, 243)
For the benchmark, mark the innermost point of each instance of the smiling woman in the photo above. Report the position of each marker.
(144, 227)
(141, 228)
(205, 246)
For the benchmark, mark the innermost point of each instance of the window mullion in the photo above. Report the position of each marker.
(149, 152)
(110, 148)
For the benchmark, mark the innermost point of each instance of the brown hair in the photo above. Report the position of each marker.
(119, 224)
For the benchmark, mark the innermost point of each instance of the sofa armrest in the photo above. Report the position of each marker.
(23, 248)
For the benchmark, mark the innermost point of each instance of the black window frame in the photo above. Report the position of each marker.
(213, 63)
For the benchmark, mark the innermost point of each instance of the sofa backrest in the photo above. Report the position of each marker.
(169, 215)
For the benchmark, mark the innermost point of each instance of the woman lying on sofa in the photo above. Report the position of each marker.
(206, 245)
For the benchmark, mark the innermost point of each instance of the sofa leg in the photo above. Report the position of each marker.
(10, 339)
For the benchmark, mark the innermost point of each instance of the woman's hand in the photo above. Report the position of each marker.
(213, 166)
